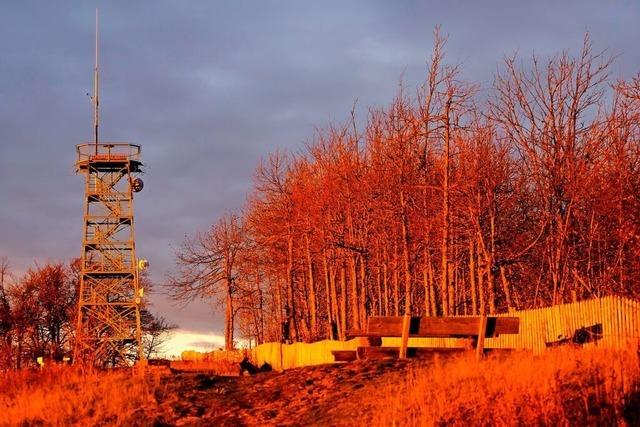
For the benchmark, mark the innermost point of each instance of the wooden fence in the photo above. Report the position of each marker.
(613, 321)
(608, 322)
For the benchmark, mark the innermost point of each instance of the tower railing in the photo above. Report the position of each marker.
(107, 151)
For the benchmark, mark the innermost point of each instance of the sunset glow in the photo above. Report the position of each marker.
(333, 213)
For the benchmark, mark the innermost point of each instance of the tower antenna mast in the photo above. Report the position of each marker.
(96, 94)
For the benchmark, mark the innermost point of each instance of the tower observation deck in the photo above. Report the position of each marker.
(108, 330)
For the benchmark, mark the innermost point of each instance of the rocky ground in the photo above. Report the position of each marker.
(320, 395)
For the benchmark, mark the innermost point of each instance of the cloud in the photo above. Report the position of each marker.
(182, 340)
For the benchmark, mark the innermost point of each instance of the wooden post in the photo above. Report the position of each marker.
(406, 322)
(482, 330)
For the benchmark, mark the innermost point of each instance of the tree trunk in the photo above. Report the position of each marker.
(291, 305)
(363, 292)
(353, 279)
(505, 288)
(396, 283)
(432, 288)
(329, 291)
(445, 279)
(343, 302)
(280, 307)
(405, 254)
(385, 285)
(481, 300)
(228, 320)
(426, 284)
(312, 293)
(379, 292)
(472, 278)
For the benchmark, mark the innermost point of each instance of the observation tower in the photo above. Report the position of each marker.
(108, 329)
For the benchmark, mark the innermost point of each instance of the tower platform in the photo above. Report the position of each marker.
(107, 155)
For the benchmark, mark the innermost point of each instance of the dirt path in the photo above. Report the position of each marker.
(321, 395)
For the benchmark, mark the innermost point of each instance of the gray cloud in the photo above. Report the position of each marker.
(208, 88)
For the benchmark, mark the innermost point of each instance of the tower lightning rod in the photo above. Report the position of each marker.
(96, 102)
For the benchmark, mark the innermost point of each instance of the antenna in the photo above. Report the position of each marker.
(96, 102)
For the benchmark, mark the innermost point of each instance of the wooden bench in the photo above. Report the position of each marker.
(474, 328)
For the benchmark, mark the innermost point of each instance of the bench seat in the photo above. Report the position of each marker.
(475, 328)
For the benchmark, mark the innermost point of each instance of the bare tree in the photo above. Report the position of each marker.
(6, 320)
(156, 331)
(208, 268)
(550, 112)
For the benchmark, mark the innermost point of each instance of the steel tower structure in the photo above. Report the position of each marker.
(108, 329)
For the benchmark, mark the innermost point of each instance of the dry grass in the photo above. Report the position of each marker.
(563, 387)
(65, 396)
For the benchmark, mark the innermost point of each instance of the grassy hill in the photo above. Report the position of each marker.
(565, 386)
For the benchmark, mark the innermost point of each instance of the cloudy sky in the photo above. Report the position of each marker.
(208, 87)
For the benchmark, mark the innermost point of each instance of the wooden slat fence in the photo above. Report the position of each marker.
(618, 319)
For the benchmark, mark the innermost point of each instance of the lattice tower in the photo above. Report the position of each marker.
(109, 329)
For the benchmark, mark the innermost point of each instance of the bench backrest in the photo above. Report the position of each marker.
(390, 326)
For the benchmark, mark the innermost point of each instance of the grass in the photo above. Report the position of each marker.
(64, 396)
(562, 387)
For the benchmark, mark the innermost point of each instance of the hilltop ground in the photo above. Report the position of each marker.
(327, 394)
(563, 387)
(570, 386)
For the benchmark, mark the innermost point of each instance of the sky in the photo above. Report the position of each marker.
(208, 88)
